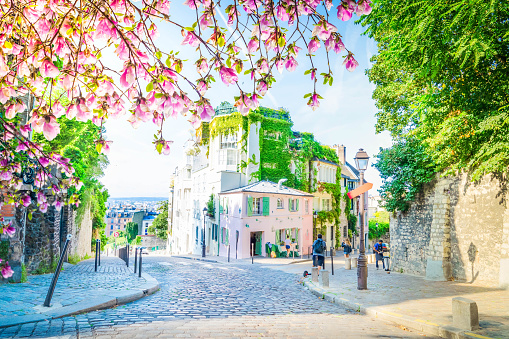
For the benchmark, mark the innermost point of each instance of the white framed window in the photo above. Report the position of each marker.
(293, 204)
(280, 203)
(228, 157)
(228, 141)
(257, 206)
(325, 204)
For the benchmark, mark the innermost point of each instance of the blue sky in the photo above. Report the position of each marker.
(346, 115)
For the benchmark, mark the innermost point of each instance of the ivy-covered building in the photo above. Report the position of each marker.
(233, 151)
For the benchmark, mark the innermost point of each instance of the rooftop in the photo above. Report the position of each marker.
(267, 187)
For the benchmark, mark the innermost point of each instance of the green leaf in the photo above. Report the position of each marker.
(29, 216)
(307, 95)
(159, 147)
(220, 42)
(307, 72)
(159, 54)
(168, 62)
(228, 63)
(98, 147)
(150, 87)
(190, 29)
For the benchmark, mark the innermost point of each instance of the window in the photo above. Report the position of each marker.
(293, 204)
(111, 226)
(257, 204)
(280, 203)
(325, 204)
(306, 205)
(228, 157)
(196, 234)
(224, 235)
(228, 141)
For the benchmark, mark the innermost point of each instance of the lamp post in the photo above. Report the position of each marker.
(361, 161)
(203, 234)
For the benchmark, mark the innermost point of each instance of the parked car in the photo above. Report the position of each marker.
(144, 250)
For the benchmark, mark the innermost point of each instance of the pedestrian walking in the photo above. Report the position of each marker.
(319, 247)
(288, 243)
(379, 253)
(347, 248)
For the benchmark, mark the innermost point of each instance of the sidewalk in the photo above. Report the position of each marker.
(256, 260)
(79, 289)
(411, 301)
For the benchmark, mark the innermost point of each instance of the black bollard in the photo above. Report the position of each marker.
(139, 268)
(127, 254)
(96, 253)
(228, 253)
(135, 259)
(99, 255)
(252, 253)
(57, 273)
(331, 261)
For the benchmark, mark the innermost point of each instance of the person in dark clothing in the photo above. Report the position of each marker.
(319, 247)
(378, 249)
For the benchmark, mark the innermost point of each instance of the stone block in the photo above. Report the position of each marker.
(325, 278)
(314, 274)
(348, 263)
(354, 262)
(464, 314)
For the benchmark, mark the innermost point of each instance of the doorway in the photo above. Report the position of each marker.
(256, 243)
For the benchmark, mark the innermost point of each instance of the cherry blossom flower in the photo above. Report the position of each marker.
(8, 229)
(7, 271)
(202, 87)
(191, 39)
(26, 200)
(313, 102)
(313, 46)
(291, 64)
(244, 104)
(363, 7)
(228, 75)
(253, 45)
(48, 69)
(262, 87)
(324, 29)
(202, 66)
(350, 63)
(128, 77)
(206, 112)
(166, 148)
(344, 12)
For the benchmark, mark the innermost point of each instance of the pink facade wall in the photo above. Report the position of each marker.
(234, 218)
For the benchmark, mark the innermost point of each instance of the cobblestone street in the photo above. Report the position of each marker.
(200, 299)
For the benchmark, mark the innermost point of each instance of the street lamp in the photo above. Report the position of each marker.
(361, 161)
(203, 234)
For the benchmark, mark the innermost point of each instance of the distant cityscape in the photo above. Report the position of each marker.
(141, 210)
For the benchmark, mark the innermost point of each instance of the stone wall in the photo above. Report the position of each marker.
(151, 241)
(455, 230)
(80, 244)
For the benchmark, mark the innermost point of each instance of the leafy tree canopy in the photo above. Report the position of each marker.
(160, 225)
(441, 76)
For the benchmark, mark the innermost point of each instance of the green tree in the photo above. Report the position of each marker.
(131, 231)
(441, 76)
(160, 225)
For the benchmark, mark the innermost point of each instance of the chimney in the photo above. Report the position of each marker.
(341, 152)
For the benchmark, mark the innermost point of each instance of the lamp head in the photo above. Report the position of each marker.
(361, 160)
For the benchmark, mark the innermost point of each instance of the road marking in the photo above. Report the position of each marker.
(394, 314)
(426, 322)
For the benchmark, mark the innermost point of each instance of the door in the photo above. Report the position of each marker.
(258, 244)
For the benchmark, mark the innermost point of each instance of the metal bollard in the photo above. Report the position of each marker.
(135, 259)
(127, 255)
(57, 272)
(332, 261)
(96, 253)
(252, 253)
(139, 268)
(323, 266)
(228, 253)
(99, 256)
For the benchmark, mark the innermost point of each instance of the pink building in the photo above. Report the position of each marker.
(264, 212)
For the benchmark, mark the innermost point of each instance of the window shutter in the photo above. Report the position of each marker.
(249, 206)
(266, 205)
(297, 201)
(227, 236)
(289, 204)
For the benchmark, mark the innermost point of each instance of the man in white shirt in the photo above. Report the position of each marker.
(288, 242)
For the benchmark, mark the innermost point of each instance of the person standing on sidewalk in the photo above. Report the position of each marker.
(378, 249)
(347, 248)
(288, 244)
(319, 247)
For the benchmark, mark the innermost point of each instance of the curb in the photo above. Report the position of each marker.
(380, 312)
(221, 262)
(192, 258)
(108, 300)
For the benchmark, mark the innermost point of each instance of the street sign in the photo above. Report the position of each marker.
(116, 234)
(359, 190)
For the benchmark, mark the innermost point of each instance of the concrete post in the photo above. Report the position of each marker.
(314, 274)
(348, 263)
(325, 278)
(464, 314)
(354, 262)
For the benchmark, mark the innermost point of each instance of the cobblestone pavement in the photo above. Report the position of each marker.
(75, 283)
(200, 299)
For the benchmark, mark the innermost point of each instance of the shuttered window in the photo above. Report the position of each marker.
(266, 205)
